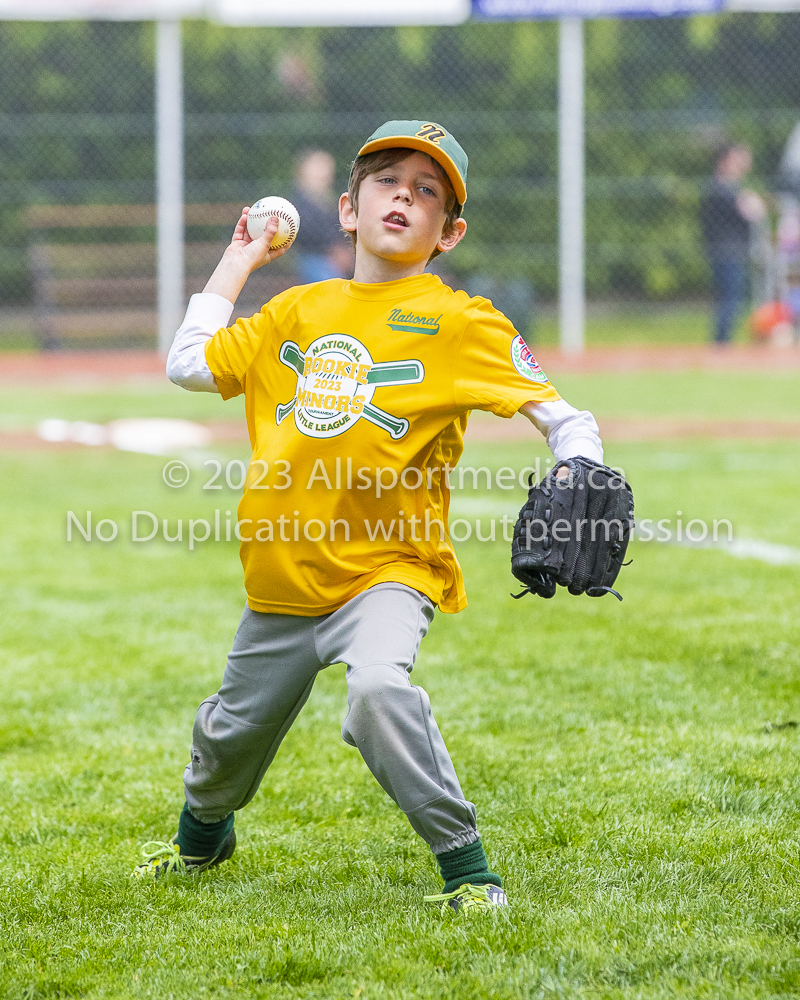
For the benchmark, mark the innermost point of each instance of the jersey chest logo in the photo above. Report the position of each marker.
(336, 380)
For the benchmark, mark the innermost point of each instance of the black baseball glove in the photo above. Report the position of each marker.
(573, 531)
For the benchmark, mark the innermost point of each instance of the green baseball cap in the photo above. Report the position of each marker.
(427, 137)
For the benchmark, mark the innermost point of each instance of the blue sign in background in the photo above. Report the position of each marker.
(518, 10)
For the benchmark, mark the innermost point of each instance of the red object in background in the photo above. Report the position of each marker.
(766, 318)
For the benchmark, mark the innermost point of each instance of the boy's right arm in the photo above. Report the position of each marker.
(211, 309)
(186, 363)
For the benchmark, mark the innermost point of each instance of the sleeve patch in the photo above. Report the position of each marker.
(524, 361)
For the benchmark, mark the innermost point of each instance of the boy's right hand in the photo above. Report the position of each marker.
(253, 253)
(242, 256)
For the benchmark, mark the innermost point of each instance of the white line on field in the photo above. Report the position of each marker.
(752, 548)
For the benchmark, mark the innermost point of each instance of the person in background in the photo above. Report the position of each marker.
(727, 212)
(321, 249)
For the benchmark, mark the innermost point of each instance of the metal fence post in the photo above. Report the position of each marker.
(169, 181)
(571, 240)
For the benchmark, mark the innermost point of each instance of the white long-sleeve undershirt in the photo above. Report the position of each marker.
(568, 432)
(186, 363)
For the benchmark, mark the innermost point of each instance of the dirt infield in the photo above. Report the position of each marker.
(27, 367)
(91, 367)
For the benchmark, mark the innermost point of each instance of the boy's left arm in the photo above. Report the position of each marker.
(568, 432)
(496, 371)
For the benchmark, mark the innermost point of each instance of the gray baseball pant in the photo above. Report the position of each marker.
(268, 678)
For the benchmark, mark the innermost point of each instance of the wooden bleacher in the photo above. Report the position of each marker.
(94, 271)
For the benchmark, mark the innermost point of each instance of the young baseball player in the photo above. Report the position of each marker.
(357, 396)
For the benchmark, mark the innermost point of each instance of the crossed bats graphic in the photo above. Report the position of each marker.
(381, 373)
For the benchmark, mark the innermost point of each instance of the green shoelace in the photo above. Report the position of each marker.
(470, 897)
(160, 857)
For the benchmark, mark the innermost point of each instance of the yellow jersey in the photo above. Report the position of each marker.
(357, 398)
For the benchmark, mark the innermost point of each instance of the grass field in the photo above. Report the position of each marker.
(629, 323)
(635, 765)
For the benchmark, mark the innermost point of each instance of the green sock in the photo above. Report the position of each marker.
(466, 864)
(201, 840)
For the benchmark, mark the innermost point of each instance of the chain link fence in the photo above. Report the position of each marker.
(77, 154)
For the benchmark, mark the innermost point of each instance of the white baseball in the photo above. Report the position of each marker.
(266, 209)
